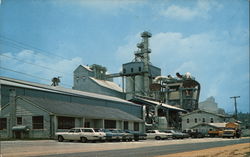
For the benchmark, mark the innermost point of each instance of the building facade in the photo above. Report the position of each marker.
(31, 110)
(197, 117)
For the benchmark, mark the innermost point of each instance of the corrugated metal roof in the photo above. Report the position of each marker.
(199, 111)
(80, 110)
(164, 105)
(87, 67)
(107, 84)
(218, 125)
(58, 89)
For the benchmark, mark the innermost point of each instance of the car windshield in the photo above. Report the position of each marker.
(106, 130)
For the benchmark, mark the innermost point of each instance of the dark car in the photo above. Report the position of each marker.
(111, 136)
(194, 133)
(137, 135)
(177, 134)
(124, 135)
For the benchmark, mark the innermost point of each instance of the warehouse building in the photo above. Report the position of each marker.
(32, 110)
(199, 119)
(94, 79)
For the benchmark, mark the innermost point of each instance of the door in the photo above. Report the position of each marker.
(69, 135)
(18, 134)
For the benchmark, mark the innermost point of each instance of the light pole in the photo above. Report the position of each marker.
(235, 105)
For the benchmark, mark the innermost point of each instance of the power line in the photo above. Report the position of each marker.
(23, 45)
(24, 73)
(30, 75)
(20, 60)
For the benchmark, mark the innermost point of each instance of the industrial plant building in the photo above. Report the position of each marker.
(146, 100)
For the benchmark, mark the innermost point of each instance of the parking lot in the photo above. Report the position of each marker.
(47, 147)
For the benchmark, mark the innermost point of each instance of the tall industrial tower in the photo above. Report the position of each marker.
(140, 72)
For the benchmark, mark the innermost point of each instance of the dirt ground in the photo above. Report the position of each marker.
(239, 150)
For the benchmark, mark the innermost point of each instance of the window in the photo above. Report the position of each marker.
(110, 124)
(187, 120)
(139, 68)
(195, 120)
(3, 123)
(136, 126)
(132, 70)
(211, 120)
(66, 122)
(37, 122)
(87, 130)
(203, 120)
(124, 71)
(72, 130)
(87, 124)
(19, 120)
(125, 125)
(77, 130)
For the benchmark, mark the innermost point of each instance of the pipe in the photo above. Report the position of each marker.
(158, 78)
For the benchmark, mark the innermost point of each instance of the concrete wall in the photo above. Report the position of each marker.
(203, 129)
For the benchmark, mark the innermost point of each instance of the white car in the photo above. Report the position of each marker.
(82, 134)
(158, 135)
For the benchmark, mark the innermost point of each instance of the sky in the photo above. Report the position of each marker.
(41, 39)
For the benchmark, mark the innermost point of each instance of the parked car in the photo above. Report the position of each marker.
(124, 135)
(137, 135)
(177, 134)
(158, 135)
(111, 136)
(194, 133)
(82, 134)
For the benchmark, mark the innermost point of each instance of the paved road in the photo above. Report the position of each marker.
(154, 150)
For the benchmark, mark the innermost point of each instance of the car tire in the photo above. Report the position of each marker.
(84, 139)
(158, 138)
(60, 139)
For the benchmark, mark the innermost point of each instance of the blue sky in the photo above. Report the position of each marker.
(208, 38)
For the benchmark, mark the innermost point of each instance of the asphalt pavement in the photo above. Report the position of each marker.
(153, 150)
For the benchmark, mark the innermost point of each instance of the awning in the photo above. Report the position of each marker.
(20, 128)
(151, 102)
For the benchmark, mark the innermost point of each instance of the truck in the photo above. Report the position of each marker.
(231, 130)
(215, 133)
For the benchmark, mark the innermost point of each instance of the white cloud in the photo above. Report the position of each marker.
(41, 66)
(125, 53)
(201, 10)
(186, 67)
(177, 12)
(105, 6)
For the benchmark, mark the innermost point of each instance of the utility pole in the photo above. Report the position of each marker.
(235, 105)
